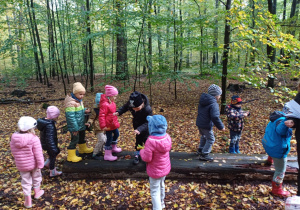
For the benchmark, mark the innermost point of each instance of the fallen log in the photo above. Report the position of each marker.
(11, 101)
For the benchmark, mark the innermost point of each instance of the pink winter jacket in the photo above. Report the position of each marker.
(156, 154)
(27, 151)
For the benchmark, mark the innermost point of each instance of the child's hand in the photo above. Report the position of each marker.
(139, 147)
(88, 124)
(289, 123)
(116, 114)
(87, 111)
(75, 133)
(136, 132)
(106, 129)
(223, 129)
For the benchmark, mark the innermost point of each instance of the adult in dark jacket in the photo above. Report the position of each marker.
(48, 136)
(139, 106)
(295, 123)
(208, 116)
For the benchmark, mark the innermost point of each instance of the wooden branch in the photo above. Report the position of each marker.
(11, 101)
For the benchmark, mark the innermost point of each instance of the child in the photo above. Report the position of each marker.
(156, 155)
(48, 136)
(94, 122)
(139, 107)
(235, 118)
(208, 115)
(28, 154)
(76, 122)
(294, 122)
(109, 122)
(276, 142)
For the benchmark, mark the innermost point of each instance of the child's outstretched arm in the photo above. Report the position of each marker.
(123, 109)
(146, 153)
(282, 129)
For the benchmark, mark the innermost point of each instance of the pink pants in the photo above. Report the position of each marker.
(29, 179)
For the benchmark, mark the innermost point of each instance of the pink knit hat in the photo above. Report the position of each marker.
(52, 112)
(111, 90)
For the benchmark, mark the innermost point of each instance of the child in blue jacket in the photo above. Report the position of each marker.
(276, 142)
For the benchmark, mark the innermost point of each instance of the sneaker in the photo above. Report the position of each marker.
(205, 157)
(136, 160)
(199, 152)
(96, 157)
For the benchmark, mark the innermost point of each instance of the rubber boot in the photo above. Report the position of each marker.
(278, 191)
(232, 148)
(38, 192)
(269, 161)
(54, 172)
(84, 149)
(108, 156)
(237, 147)
(116, 149)
(72, 156)
(28, 203)
(47, 163)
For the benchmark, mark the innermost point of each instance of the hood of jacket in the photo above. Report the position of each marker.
(157, 125)
(207, 99)
(20, 140)
(275, 115)
(42, 123)
(161, 144)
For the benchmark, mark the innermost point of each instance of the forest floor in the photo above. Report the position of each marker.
(63, 193)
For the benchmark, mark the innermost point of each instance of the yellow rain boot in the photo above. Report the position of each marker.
(84, 149)
(72, 156)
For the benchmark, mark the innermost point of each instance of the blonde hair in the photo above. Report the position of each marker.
(28, 131)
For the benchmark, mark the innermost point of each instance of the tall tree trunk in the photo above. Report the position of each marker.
(70, 45)
(122, 62)
(215, 42)
(271, 52)
(90, 46)
(149, 39)
(159, 45)
(181, 36)
(39, 44)
(252, 54)
(225, 55)
(34, 43)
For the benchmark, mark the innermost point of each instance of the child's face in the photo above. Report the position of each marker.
(113, 98)
(238, 105)
(218, 97)
(139, 107)
(80, 95)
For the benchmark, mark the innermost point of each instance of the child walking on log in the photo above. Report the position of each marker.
(48, 136)
(109, 122)
(139, 106)
(75, 112)
(276, 142)
(157, 156)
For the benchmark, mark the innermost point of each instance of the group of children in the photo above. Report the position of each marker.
(153, 144)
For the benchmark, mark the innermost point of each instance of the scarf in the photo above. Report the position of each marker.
(73, 96)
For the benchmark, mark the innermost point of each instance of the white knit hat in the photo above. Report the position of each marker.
(26, 123)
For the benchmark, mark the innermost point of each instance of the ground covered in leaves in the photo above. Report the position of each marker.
(62, 193)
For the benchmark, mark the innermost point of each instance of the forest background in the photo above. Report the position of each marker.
(171, 50)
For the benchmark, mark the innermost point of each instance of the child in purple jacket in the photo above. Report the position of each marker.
(156, 155)
(28, 154)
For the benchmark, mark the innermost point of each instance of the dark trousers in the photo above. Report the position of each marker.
(111, 138)
(78, 139)
(141, 139)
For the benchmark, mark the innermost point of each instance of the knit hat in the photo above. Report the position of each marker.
(236, 100)
(78, 87)
(111, 90)
(52, 112)
(135, 99)
(26, 123)
(214, 90)
(157, 125)
(97, 98)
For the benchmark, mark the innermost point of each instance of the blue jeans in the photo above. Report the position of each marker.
(112, 137)
(235, 136)
(280, 168)
(207, 140)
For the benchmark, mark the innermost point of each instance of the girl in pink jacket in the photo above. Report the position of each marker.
(28, 154)
(108, 122)
(156, 155)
